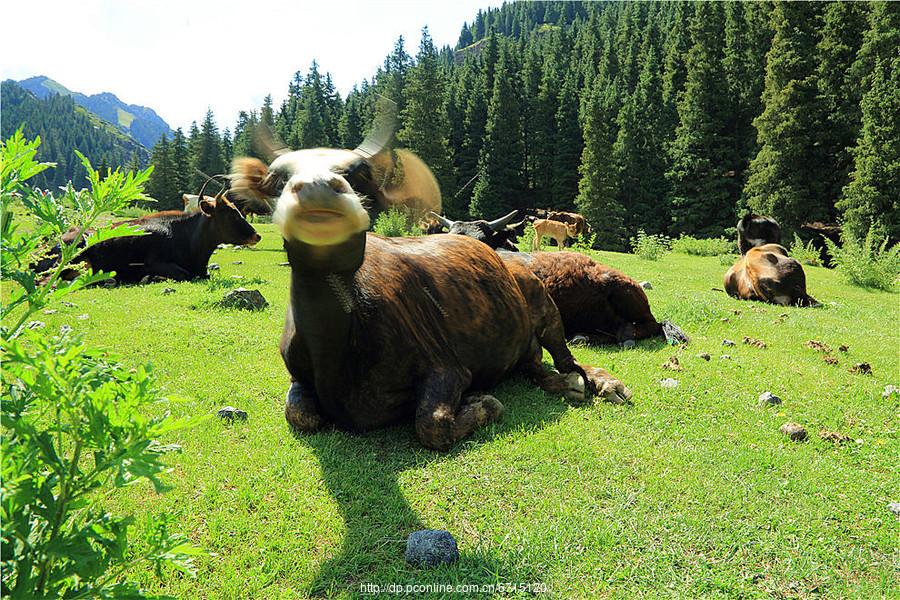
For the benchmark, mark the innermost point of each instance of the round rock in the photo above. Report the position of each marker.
(727, 342)
(646, 285)
(768, 399)
(894, 507)
(628, 344)
(795, 431)
(230, 413)
(890, 390)
(431, 547)
(668, 383)
(244, 299)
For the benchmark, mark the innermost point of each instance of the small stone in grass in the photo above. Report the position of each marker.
(84, 317)
(727, 342)
(212, 267)
(795, 431)
(668, 383)
(628, 344)
(894, 507)
(834, 436)
(725, 357)
(844, 348)
(704, 355)
(237, 262)
(230, 413)
(861, 369)
(431, 547)
(245, 299)
(646, 285)
(672, 364)
(890, 390)
(284, 264)
(168, 291)
(49, 311)
(768, 399)
(68, 304)
(36, 325)
(65, 329)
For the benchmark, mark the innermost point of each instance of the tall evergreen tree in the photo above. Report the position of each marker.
(872, 198)
(426, 128)
(598, 187)
(160, 186)
(787, 174)
(704, 184)
(499, 185)
(181, 164)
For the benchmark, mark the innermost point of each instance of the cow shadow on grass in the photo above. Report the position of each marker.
(362, 474)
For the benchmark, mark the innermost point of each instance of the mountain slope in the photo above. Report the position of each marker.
(64, 126)
(142, 123)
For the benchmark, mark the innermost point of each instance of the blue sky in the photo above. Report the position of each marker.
(178, 57)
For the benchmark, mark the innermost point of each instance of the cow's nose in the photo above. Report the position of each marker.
(256, 237)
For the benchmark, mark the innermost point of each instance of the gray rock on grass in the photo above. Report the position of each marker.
(431, 547)
(230, 414)
(894, 507)
(244, 299)
(795, 431)
(727, 342)
(890, 390)
(646, 285)
(668, 383)
(768, 399)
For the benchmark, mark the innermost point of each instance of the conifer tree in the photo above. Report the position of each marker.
(598, 187)
(207, 159)
(786, 176)
(181, 166)
(872, 198)
(426, 128)
(499, 185)
(704, 184)
(568, 146)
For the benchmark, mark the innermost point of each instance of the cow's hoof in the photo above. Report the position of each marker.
(487, 407)
(575, 387)
(300, 412)
(608, 388)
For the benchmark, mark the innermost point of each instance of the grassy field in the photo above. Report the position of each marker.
(690, 492)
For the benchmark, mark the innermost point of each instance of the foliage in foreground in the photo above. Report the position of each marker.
(394, 222)
(866, 263)
(718, 246)
(806, 253)
(650, 247)
(75, 423)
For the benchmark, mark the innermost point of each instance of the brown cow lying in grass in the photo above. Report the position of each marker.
(596, 302)
(381, 330)
(765, 272)
(553, 229)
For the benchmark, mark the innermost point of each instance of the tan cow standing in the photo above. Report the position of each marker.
(552, 229)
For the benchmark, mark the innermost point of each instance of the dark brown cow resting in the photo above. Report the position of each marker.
(494, 233)
(383, 330)
(175, 245)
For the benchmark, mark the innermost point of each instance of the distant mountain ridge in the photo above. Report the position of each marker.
(140, 122)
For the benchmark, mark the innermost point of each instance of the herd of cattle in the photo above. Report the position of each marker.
(383, 329)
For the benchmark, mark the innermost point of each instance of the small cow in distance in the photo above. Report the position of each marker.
(493, 233)
(581, 225)
(764, 271)
(174, 244)
(553, 229)
(754, 230)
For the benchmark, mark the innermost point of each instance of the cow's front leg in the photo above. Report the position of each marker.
(301, 410)
(444, 416)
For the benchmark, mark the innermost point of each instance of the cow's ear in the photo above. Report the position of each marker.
(207, 207)
(250, 178)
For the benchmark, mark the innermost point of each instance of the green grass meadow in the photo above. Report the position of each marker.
(690, 492)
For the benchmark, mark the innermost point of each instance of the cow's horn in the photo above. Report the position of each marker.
(443, 220)
(205, 183)
(502, 221)
(383, 131)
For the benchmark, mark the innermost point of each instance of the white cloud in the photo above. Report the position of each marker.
(180, 57)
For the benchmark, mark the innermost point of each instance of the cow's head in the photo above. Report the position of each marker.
(755, 230)
(493, 233)
(226, 223)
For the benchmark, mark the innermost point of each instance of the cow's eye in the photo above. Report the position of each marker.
(274, 183)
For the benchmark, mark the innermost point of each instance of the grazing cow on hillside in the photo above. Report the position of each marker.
(493, 233)
(768, 274)
(754, 230)
(446, 316)
(174, 244)
(554, 229)
(581, 226)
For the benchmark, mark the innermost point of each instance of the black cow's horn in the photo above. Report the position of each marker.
(443, 220)
(383, 131)
(502, 221)
(205, 183)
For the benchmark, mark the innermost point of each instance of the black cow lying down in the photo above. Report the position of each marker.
(175, 245)
(382, 330)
